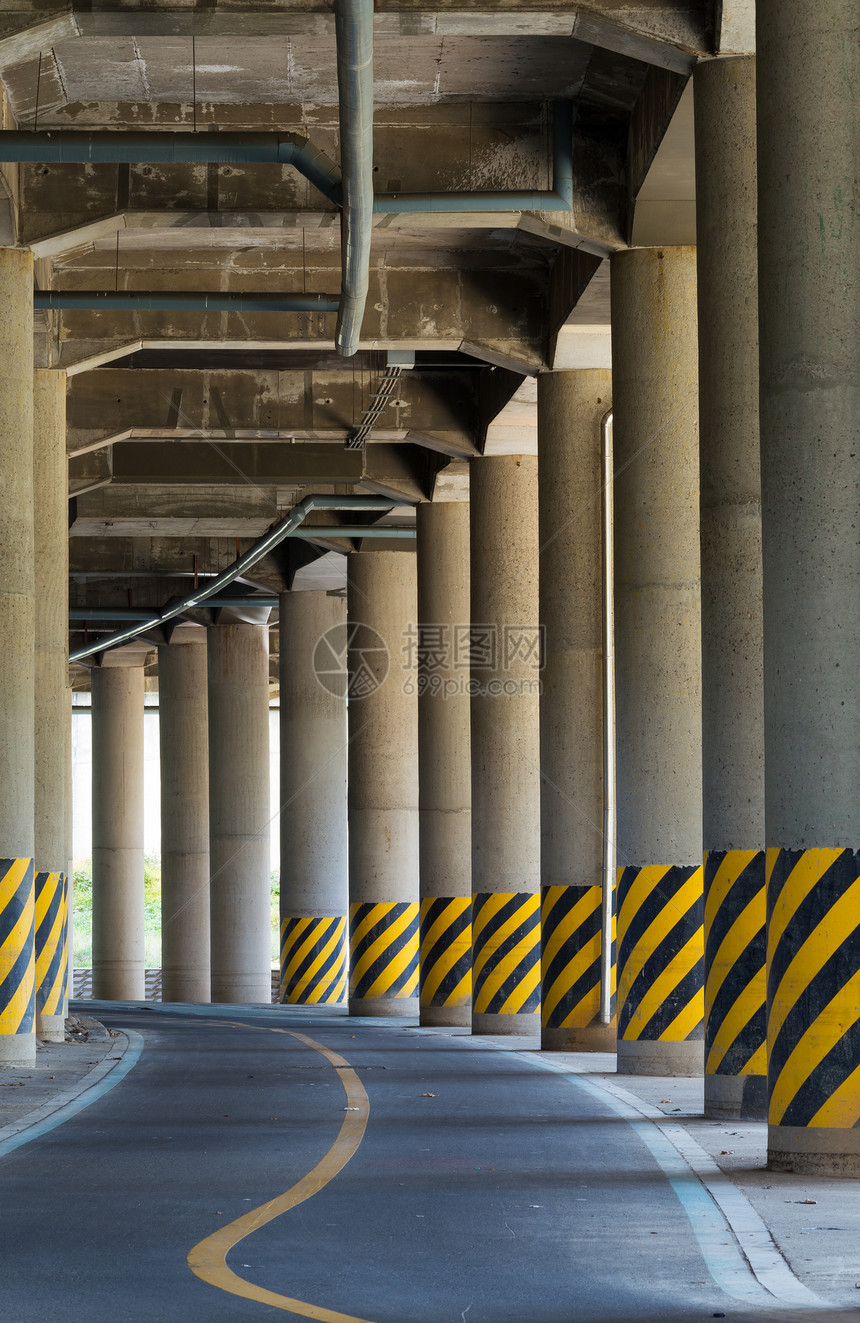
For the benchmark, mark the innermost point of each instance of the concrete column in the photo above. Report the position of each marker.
(118, 914)
(382, 613)
(184, 737)
(314, 885)
(51, 559)
(239, 855)
(444, 764)
(732, 701)
(809, 258)
(571, 409)
(70, 852)
(657, 662)
(505, 665)
(17, 969)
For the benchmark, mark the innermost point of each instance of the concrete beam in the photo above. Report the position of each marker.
(116, 405)
(92, 559)
(224, 490)
(502, 310)
(594, 229)
(233, 464)
(159, 511)
(655, 31)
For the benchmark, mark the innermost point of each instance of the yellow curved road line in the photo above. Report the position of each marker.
(208, 1259)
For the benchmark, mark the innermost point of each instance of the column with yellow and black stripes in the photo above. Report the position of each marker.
(505, 647)
(313, 897)
(813, 1010)
(444, 771)
(732, 698)
(383, 783)
(658, 662)
(17, 972)
(50, 487)
(51, 970)
(572, 407)
(809, 351)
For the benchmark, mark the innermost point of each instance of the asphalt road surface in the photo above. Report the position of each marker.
(450, 1184)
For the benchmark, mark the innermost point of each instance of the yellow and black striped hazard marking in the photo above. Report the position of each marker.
(445, 959)
(51, 938)
(813, 987)
(735, 949)
(313, 961)
(506, 952)
(383, 947)
(570, 956)
(660, 954)
(67, 895)
(17, 949)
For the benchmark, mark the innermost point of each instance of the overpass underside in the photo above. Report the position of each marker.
(479, 383)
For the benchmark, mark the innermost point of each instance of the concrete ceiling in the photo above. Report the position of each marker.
(188, 431)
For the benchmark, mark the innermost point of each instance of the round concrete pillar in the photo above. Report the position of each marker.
(732, 701)
(809, 258)
(382, 613)
(118, 913)
(314, 886)
(571, 409)
(505, 684)
(184, 740)
(17, 968)
(658, 662)
(51, 558)
(239, 852)
(70, 851)
(444, 764)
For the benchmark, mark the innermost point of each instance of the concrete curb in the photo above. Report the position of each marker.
(63, 1106)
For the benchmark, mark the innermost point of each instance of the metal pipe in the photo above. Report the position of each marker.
(608, 896)
(139, 148)
(354, 31)
(352, 530)
(112, 147)
(239, 567)
(146, 300)
(559, 198)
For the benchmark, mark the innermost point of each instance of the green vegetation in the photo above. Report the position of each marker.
(83, 912)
